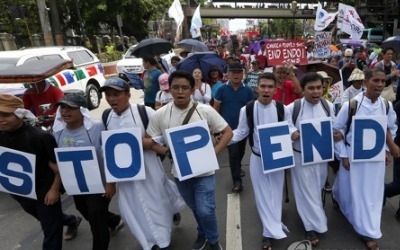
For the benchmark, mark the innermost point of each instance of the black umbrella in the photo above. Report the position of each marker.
(152, 47)
(392, 42)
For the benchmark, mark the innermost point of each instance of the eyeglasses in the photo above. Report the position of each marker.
(182, 87)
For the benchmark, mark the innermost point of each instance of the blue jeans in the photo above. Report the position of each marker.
(199, 195)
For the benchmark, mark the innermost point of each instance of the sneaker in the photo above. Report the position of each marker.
(177, 219)
(215, 246)
(237, 188)
(118, 227)
(72, 230)
(200, 243)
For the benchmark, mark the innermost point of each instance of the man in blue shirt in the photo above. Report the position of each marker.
(229, 99)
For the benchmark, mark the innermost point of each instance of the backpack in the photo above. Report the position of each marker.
(352, 111)
(142, 113)
(297, 106)
(250, 119)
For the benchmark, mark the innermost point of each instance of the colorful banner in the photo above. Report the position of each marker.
(343, 15)
(279, 52)
(322, 44)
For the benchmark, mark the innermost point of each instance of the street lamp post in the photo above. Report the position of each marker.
(294, 11)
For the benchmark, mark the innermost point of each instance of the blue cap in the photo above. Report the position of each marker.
(115, 83)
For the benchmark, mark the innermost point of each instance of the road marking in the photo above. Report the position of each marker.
(233, 226)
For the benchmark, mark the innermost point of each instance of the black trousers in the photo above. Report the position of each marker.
(393, 188)
(94, 208)
(236, 152)
(50, 218)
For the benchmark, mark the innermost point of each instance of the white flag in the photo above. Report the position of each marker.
(354, 28)
(323, 18)
(176, 12)
(196, 23)
(343, 17)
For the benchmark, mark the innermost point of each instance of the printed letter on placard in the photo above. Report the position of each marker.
(17, 173)
(192, 149)
(123, 155)
(276, 146)
(79, 170)
(316, 140)
(369, 138)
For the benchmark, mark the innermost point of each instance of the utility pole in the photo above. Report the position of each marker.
(45, 22)
(56, 22)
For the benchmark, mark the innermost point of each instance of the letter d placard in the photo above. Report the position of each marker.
(192, 150)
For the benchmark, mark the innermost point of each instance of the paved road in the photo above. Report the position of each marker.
(22, 232)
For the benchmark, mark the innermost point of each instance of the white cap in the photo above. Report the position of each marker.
(348, 52)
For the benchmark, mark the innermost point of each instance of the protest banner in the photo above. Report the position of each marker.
(369, 138)
(322, 44)
(285, 51)
(316, 140)
(79, 170)
(17, 173)
(123, 155)
(190, 144)
(275, 146)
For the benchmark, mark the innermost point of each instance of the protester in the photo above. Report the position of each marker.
(359, 186)
(252, 77)
(198, 192)
(268, 188)
(150, 80)
(356, 81)
(174, 63)
(288, 86)
(391, 72)
(18, 135)
(346, 65)
(74, 127)
(164, 95)
(308, 181)
(148, 206)
(229, 99)
(43, 93)
(202, 91)
(326, 85)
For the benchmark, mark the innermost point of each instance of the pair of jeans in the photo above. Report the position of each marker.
(50, 218)
(199, 195)
(236, 152)
(94, 209)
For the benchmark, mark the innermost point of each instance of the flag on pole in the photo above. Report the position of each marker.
(196, 23)
(176, 12)
(354, 28)
(323, 18)
(343, 16)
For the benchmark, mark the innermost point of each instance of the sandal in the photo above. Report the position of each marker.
(313, 238)
(371, 245)
(266, 243)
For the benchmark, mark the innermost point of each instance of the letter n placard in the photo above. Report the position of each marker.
(192, 150)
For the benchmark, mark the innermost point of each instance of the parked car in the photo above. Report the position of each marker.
(132, 64)
(86, 73)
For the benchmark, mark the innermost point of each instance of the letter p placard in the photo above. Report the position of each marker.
(192, 149)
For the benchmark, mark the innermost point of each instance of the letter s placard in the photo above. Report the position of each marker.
(17, 172)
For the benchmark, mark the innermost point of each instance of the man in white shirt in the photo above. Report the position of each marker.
(198, 192)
